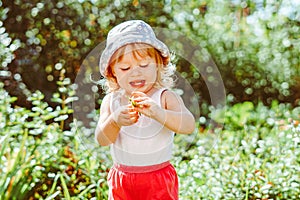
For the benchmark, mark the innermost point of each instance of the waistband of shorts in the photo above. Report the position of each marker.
(141, 169)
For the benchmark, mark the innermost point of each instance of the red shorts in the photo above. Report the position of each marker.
(142, 183)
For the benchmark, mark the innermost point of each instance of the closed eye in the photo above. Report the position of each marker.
(144, 65)
(125, 68)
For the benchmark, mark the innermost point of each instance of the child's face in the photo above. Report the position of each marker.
(135, 73)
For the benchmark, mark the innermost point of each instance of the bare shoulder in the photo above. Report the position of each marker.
(105, 105)
(106, 100)
(167, 94)
(171, 101)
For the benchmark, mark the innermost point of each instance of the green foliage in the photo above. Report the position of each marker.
(250, 158)
(59, 34)
(253, 158)
(39, 158)
(7, 45)
(255, 45)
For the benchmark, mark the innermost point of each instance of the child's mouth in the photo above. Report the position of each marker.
(137, 83)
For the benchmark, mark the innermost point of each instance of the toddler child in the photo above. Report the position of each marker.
(140, 114)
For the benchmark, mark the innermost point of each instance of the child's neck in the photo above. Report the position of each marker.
(151, 91)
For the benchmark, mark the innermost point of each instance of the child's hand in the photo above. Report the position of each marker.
(144, 104)
(126, 115)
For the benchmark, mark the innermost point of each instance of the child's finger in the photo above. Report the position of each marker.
(138, 94)
(134, 119)
(135, 98)
(144, 103)
(129, 108)
(133, 113)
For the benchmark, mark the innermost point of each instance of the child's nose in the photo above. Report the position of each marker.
(136, 70)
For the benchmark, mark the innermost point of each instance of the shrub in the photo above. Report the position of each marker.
(255, 156)
(254, 44)
(39, 158)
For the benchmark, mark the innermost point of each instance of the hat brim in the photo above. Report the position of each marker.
(122, 41)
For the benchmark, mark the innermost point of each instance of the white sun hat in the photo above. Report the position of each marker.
(132, 31)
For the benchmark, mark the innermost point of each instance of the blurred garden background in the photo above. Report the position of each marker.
(250, 150)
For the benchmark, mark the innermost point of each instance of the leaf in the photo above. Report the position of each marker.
(65, 188)
(61, 118)
(13, 99)
(71, 99)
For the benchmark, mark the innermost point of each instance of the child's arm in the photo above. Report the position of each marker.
(109, 124)
(107, 129)
(173, 114)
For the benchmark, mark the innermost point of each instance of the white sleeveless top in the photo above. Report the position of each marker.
(144, 143)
